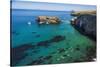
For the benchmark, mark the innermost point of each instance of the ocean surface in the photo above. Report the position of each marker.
(72, 46)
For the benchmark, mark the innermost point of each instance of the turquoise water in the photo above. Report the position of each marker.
(75, 47)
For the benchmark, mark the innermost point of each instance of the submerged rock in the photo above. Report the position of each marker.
(34, 32)
(61, 50)
(18, 53)
(77, 61)
(46, 43)
(43, 43)
(91, 53)
(36, 62)
(16, 57)
(64, 55)
(41, 60)
(77, 48)
(57, 38)
(48, 57)
(37, 35)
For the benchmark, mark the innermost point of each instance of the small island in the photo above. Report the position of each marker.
(48, 20)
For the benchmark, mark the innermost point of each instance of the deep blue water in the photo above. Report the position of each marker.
(20, 18)
(22, 34)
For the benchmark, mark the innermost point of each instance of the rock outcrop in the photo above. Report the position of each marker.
(85, 24)
(48, 20)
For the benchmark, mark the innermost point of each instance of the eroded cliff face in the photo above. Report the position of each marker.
(86, 24)
(48, 20)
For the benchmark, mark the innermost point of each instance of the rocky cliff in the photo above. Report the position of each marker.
(85, 24)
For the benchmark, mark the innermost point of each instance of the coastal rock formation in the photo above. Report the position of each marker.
(48, 20)
(85, 24)
(78, 13)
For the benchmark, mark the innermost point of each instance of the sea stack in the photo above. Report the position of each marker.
(48, 20)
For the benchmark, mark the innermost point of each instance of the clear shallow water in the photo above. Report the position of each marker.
(23, 34)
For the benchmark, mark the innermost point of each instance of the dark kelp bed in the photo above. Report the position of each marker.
(19, 53)
(49, 44)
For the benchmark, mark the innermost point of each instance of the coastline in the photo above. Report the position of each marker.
(85, 23)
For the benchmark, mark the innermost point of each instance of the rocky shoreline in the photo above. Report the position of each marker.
(85, 23)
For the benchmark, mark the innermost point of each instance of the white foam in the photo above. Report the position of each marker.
(41, 22)
(29, 23)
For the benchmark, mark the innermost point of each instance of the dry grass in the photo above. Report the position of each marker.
(84, 12)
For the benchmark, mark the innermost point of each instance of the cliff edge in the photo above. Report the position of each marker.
(85, 23)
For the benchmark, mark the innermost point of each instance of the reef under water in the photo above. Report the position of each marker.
(48, 44)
